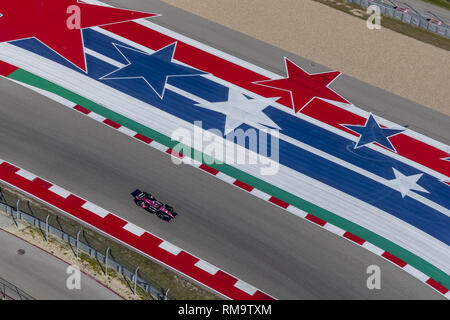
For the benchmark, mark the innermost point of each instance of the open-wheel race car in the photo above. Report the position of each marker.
(148, 202)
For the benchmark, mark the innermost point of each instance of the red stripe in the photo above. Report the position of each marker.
(436, 285)
(6, 69)
(354, 238)
(143, 138)
(111, 123)
(279, 202)
(209, 169)
(41, 183)
(243, 185)
(81, 109)
(7, 166)
(315, 219)
(394, 259)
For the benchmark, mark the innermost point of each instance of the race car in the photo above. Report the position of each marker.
(435, 21)
(401, 9)
(148, 202)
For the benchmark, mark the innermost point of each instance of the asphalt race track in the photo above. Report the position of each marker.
(278, 253)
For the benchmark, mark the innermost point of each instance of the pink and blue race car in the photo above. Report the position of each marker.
(148, 202)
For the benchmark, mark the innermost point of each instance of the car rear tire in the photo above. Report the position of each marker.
(163, 216)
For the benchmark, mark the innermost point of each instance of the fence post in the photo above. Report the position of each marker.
(135, 279)
(106, 261)
(78, 240)
(17, 209)
(46, 228)
(12, 214)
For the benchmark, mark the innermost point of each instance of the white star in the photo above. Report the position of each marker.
(404, 184)
(239, 110)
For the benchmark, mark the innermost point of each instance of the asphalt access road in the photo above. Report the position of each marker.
(42, 275)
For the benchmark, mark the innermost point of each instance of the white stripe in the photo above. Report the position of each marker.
(95, 209)
(190, 161)
(134, 229)
(127, 131)
(296, 211)
(173, 249)
(260, 194)
(334, 229)
(99, 3)
(27, 175)
(225, 177)
(372, 248)
(244, 286)
(59, 191)
(96, 117)
(348, 207)
(416, 273)
(103, 58)
(158, 146)
(206, 266)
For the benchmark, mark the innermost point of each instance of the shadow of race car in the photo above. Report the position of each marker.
(148, 202)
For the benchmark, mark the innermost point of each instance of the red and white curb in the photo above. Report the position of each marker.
(126, 232)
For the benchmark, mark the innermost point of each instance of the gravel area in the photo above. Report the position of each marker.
(396, 63)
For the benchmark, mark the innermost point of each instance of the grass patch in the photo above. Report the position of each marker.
(150, 271)
(391, 23)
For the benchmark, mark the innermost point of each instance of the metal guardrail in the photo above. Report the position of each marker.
(8, 291)
(77, 243)
(406, 17)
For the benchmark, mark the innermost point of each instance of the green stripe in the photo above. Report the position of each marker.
(410, 258)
